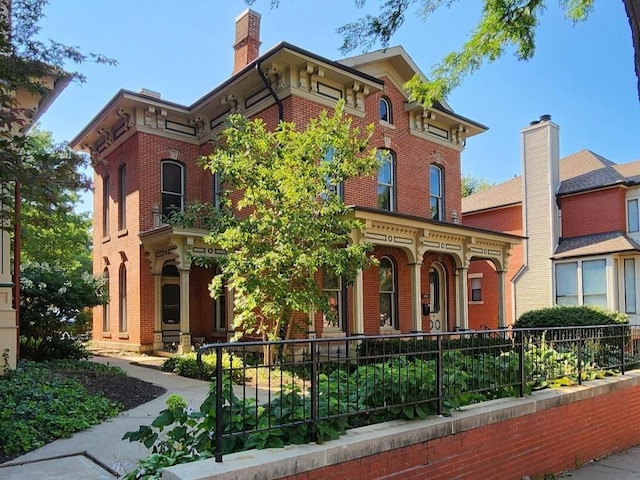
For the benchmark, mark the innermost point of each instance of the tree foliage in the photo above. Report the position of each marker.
(25, 60)
(293, 221)
(472, 184)
(504, 24)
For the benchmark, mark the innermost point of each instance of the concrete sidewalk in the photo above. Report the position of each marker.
(86, 454)
(620, 466)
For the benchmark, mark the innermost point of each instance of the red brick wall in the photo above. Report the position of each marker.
(594, 212)
(507, 220)
(548, 441)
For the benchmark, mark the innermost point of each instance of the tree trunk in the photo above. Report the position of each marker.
(632, 8)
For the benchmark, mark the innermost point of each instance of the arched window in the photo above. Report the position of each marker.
(105, 305)
(388, 293)
(386, 180)
(436, 192)
(172, 187)
(332, 290)
(122, 197)
(122, 298)
(105, 206)
(385, 110)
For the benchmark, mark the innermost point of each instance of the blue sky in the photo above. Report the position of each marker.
(581, 74)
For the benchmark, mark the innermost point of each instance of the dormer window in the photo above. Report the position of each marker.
(385, 110)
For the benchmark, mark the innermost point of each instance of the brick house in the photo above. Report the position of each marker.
(580, 217)
(145, 151)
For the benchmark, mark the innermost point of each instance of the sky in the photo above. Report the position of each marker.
(581, 74)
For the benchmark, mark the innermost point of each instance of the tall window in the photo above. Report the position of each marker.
(122, 197)
(436, 198)
(434, 290)
(581, 283)
(105, 305)
(476, 289)
(386, 181)
(332, 290)
(633, 221)
(221, 307)
(105, 206)
(172, 187)
(385, 110)
(329, 179)
(387, 291)
(630, 286)
(217, 190)
(122, 298)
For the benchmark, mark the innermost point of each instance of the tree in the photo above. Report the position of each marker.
(504, 23)
(472, 184)
(293, 222)
(26, 65)
(48, 216)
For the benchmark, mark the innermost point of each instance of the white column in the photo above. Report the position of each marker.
(358, 304)
(416, 297)
(157, 312)
(185, 335)
(463, 297)
(502, 299)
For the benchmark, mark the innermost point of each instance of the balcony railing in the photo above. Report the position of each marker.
(304, 385)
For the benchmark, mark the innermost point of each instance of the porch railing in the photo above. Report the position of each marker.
(359, 380)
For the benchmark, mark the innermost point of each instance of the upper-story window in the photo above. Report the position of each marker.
(329, 179)
(436, 197)
(385, 110)
(386, 181)
(122, 197)
(217, 190)
(105, 206)
(633, 221)
(172, 187)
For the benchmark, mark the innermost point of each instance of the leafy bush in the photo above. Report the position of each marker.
(187, 365)
(476, 345)
(40, 406)
(54, 348)
(570, 316)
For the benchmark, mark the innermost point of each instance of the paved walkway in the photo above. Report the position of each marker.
(99, 453)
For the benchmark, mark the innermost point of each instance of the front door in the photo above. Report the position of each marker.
(437, 307)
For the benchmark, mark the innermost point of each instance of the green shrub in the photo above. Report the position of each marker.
(570, 316)
(53, 348)
(474, 344)
(186, 365)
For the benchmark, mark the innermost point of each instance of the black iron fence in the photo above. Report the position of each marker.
(295, 391)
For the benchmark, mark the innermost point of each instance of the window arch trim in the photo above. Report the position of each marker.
(385, 111)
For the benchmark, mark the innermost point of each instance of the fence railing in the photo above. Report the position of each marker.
(307, 388)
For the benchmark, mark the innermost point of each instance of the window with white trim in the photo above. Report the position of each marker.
(630, 298)
(633, 220)
(386, 181)
(476, 289)
(385, 110)
(436, 196)
(217, 190)
(583, 282)
(172, 187)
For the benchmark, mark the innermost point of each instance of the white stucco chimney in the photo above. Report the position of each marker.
(247, 44)
(540, 216)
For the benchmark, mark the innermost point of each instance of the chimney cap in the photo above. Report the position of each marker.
(545, 118)
(248, 11)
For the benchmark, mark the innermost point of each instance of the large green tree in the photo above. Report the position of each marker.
(504, 23)
(474, 184)
(293, 222)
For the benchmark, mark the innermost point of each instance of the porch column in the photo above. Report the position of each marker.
(185, 335)
(8, 327)
(358, 305)
(463, 298)
(158, 344)
(416, 298)
(502, 299)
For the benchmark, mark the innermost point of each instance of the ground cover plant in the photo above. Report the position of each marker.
(42, 402)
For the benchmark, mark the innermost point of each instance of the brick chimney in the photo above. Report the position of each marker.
(247, 44)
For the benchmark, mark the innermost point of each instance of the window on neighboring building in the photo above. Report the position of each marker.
(476, 289)
(172, 187)
(630, 286)
(385, 110)
(122, 197)
(436, 198)
(581, 283)
(217, 190)
(633, 221)
(105, 206)
(386, 181)
(122, 298)
(105, 305)
(332, 290)
(387, 292)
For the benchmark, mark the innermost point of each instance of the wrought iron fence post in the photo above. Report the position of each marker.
(579, 357)
(623, 343)
(315, 351)
(219, 405)
(521, 370)
(439, 382)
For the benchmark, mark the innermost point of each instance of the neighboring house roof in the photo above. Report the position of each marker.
(597, 244)
(584, 170)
